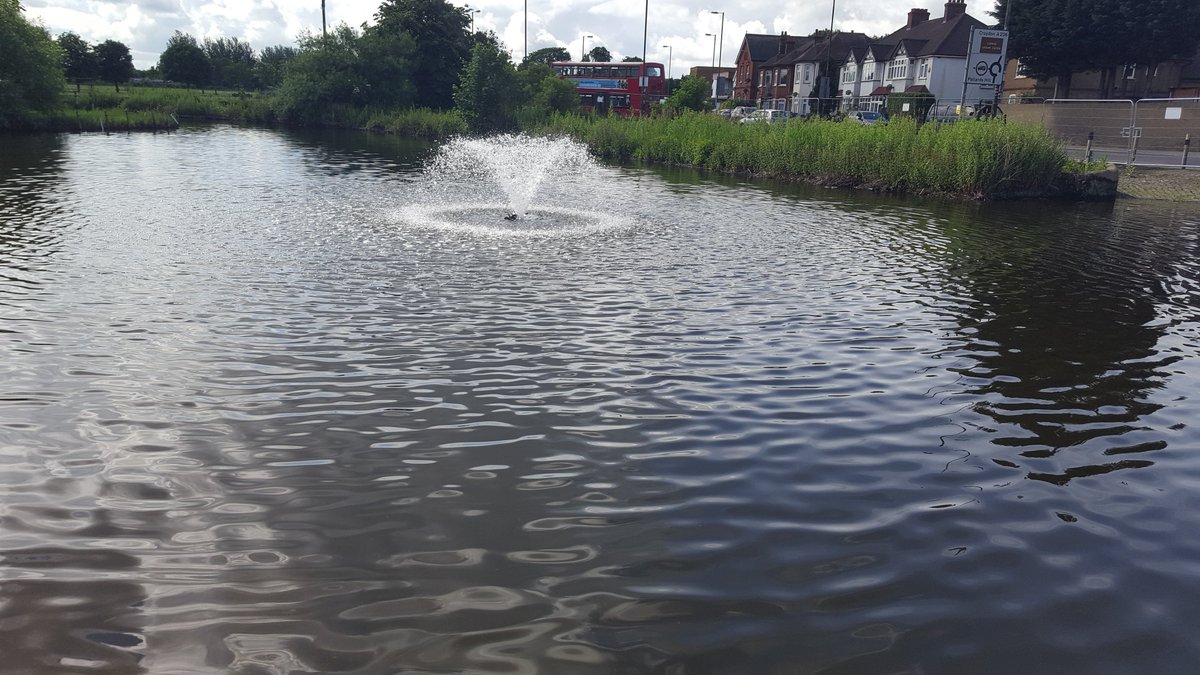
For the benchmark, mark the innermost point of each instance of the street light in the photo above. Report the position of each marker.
(472, 12)
(714, 54)
(721, 52)
(669, 52)
(583, 47)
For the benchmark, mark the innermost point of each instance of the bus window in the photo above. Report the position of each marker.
(620, 100)
(653, 71)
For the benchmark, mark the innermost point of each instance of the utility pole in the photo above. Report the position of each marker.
(323, 35)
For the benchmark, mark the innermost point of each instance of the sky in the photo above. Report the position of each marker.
(683, 25)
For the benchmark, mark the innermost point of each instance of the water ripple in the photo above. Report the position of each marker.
(281, 421)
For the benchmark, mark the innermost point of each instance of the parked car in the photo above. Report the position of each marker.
(741, 112)
(949, 112)
(768, 116)
(866, 117)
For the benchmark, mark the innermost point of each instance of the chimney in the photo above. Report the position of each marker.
(783, 38)
(955, 8)
(917, 16)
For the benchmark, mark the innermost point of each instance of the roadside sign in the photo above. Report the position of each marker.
(985, 62)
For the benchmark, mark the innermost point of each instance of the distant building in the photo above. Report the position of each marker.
(754, 51)
(720, 80)
(1173, 78)
(851, 72)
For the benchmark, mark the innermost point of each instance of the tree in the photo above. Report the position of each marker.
(545, 92)
(546, 55)
(487, 94)
(115, 62)
(600, 54)
(693, 94)
(184, 61)
(344, 68)
(79, 60)
(1160, 30)
(31, 70)
(386, 64)
(1055, 38)
(232, 63)
(631, 59)
(443, 43)
(268, 69)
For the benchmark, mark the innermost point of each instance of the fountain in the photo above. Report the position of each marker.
(495, 186)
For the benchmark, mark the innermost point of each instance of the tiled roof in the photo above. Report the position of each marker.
(761, 47)
(940, 37)
(820, 50)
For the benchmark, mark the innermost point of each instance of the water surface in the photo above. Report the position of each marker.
(254, 418)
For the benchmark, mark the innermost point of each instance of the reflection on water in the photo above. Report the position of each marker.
(254, 420)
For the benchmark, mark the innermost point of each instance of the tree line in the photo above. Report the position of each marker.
(414, 54)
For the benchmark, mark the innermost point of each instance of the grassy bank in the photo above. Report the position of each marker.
(977, 159)
(103, 108)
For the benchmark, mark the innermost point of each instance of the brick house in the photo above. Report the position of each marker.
(755, 50)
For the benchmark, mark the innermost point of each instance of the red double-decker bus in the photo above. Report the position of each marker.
(627, 88)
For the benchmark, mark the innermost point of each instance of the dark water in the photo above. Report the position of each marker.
(252, 421)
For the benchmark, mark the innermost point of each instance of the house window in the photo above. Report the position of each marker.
(782, 76)
(868, 71)
(1131, 71)
(807, 73)
(848, 73)
(924, 71)
(897, 69)
(1022, 69)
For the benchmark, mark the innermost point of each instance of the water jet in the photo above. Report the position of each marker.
(505, 185)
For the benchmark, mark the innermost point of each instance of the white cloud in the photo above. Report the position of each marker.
(145, 25)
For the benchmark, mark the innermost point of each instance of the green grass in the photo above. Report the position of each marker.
(101, 119)
(102, 107)
(977, 159)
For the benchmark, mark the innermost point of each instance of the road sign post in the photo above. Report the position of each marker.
(986, 55)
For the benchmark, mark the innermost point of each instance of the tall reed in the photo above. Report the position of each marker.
(978, 159)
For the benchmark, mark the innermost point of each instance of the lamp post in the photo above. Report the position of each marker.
(721, 50)
(323, 35)
(669, 52)
(583, 47)
(472, 12)
(714, 49)
(642, 78)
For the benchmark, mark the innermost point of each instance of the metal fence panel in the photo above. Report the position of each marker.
(1163, 125)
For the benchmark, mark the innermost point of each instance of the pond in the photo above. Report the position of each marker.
(255, 419)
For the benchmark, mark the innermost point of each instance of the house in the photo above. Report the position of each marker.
(816, 66)
(1189, 80)
(1166, 80)
(718, 79)
(927, 56)
(862, 78)
(755, 50)
(775, 75)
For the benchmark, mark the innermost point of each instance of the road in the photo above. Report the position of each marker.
(1144, 157)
